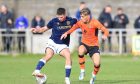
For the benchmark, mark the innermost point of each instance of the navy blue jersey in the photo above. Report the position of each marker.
(59, 28)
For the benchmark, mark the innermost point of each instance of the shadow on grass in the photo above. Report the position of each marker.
(103, 82)
(118, 82)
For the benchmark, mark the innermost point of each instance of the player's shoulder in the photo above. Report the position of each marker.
(71, 18)
(95, 21)
(54, 19)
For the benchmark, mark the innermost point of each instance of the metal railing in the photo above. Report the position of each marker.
(116, 40)
(13, 40)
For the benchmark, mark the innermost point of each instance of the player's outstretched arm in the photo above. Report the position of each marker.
(102, 28)
(104, 37)
(74, 27)
(64, 36)
(39, 30)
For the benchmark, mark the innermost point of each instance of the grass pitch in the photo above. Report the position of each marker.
(114, 69)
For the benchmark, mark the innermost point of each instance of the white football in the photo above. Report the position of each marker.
(41, 80)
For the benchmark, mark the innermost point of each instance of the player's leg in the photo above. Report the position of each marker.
(66, 54)
(81, 52)
(96, 60)
(42, 62)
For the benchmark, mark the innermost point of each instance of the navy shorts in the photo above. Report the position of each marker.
(91, 49)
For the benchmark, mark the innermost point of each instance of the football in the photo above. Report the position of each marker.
(41, 80)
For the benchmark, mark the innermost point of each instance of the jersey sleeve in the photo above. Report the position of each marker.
(50, 24)
(74, 27)
(74, 21)
(102, 28)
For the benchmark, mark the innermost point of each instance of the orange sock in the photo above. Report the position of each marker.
(82, 61)
(96, 69)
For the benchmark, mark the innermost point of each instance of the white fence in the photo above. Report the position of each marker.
(35, 43)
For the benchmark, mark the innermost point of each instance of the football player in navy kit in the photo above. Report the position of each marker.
(59, 26)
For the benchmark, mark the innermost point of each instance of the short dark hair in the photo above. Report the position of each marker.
(82, 2)
(119, 8)
(109, 6)
(61, 11)
(85, 11)
(4, 5)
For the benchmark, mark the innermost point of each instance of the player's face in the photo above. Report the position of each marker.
(61, 17)
(85, 18)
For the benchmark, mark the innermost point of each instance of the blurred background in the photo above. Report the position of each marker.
(16, 37)
(20, 49)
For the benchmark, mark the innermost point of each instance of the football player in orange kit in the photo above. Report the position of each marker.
(89, 43)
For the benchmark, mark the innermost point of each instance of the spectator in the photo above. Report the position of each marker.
(37, 22)
(120, 21)
(6, 22)
(82, 5)
(106, 20)
(78, 17)
(21, 24)
(137, 24)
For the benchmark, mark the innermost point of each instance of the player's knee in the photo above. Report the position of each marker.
(80, 56)
(48, 56)
(81, 52)
(81, 62)
(67, 56)
(97, 65)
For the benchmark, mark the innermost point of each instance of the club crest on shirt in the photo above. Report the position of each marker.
(58, 23)
(68, 22)
(85, 31)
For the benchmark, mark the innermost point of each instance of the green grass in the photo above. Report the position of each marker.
(114, 70)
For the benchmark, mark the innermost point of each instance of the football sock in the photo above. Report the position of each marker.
(96, 69)
(67, 70)
(40, 64)
(82, 62)
(82, 70)
(93, 76)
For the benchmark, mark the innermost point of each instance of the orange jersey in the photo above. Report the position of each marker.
(89, 31)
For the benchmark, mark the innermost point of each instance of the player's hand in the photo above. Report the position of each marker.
(33, 30)
(63, 36)
(104, 37)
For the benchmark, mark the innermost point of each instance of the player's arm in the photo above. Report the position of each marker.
(103, 29)
(43, 29)
(74, 27)
(39, 30)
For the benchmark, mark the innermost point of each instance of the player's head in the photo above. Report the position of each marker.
(82, 5)
(61, 14)
(85, 15)
(120, 10)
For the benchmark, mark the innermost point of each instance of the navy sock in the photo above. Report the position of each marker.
(68, 71)
(40, 64)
